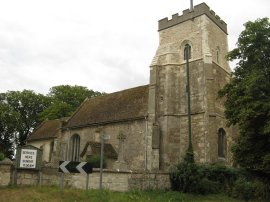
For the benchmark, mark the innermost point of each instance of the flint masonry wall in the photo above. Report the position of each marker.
(112, 180)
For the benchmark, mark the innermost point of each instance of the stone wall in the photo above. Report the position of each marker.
(47, 176)
(124, 181)
(150, 181)
(5, 172)
(133, 145)
(45, 145)
(112, 179)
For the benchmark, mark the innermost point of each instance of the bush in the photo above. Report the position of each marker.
(95, 161)
(225, 177)
(191, 178)
(248, 189)
(266, 163)
(2, 156)
(243, 189)
(203, 179)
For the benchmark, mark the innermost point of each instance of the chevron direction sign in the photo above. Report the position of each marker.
(75, 167)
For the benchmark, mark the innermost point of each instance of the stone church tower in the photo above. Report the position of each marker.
(148, 125)
(206, 35)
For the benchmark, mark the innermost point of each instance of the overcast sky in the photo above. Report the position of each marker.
(105, 45)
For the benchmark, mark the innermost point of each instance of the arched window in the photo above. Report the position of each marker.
(187, 52)
(75, 148)
(222, 143)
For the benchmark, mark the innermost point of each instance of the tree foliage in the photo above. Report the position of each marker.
(21, 112)
(248, 96)
(65, 99)
(8, 122)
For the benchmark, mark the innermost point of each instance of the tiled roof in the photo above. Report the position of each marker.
(123, 105)
(47, 129)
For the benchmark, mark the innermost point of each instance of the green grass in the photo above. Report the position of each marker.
(53, 193)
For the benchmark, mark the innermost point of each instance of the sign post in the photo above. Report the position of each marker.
(87, 182)
(74, 167)
(62, 182)
(103, 137)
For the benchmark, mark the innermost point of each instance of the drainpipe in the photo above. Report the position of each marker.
(189, 107)
(145, 143)
(187, 53)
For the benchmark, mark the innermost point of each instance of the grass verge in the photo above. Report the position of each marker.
(53, 194)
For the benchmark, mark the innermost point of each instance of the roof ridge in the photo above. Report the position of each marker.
(128, 89)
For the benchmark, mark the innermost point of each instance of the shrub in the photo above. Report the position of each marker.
(243, 189)
(95, 161)
(262, 189)
(266, 163)
(248, 189)
(2, 156)
(203, 179)
(225, 177)
(190, 178)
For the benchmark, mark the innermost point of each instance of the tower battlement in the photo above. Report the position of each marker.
(201, 9)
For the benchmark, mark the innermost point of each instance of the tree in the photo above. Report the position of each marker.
(26, 105)
(65, 99)
(247, 102)
(22, 111)
(8, 122)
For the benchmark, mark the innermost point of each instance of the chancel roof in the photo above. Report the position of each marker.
(47, 129)
(124, 105)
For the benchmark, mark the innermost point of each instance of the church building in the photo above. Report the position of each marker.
(147, 127)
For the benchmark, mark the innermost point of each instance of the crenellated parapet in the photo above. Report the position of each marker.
(201, 9)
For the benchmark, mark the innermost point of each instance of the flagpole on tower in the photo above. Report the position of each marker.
(191, 5)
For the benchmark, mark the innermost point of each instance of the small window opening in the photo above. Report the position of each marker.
(222, 143)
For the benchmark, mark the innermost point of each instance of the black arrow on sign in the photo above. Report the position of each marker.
(75, 167)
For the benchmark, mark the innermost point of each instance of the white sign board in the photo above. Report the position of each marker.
(28, 158)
